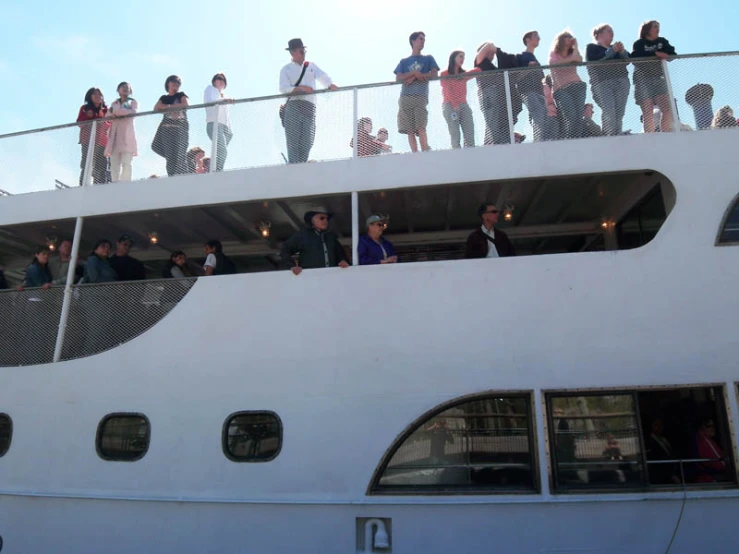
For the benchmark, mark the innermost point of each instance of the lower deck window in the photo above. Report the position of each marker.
(483, 445)
(252, 436)
(6, 433)
(123, 437)
(638, 439)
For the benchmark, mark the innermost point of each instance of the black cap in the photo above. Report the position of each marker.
(124, 238)
(294, 44)
(308, 217)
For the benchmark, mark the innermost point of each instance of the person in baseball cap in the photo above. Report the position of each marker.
(373, 247)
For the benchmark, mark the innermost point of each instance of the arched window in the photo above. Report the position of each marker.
(729, 233)
(482, 444)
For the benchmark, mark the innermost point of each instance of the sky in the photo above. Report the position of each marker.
(48, 62)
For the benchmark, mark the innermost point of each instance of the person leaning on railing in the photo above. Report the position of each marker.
(491, 92)
(173, 135)
(218, 118)
(568, 89)
(38, 273)
(531, 86)
(373, 248)
(609, 83)
(177, 267)
(98, 268)
(59, 264)
(314, 246)
(94, 108)
(456, 110)
(650, 86)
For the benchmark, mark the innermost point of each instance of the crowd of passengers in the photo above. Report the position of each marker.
(555, 102)
(314, 246)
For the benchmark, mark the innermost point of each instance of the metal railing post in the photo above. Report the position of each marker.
(87, 171)
(214, 141)
(673, 103)
(355, 223)
(509, 107)
(67, 298)
(355, 148)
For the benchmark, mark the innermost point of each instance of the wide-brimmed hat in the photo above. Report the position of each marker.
(308, 217)
(294, 44)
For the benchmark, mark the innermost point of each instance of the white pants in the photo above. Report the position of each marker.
(120, 167)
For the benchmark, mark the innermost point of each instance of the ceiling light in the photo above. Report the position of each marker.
(508, 213)
(153, 238)
(264, 228)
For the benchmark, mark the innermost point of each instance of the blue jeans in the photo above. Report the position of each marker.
(300, 129)
(224, 138)
(611, 96)
(570, 102)
(537, 106)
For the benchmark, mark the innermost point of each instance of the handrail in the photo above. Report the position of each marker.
(366, 86)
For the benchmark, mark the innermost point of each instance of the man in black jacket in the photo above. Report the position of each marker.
(127, 267)
(486, 241)
(315, 245)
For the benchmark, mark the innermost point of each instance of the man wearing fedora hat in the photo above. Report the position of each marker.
(315, 246)
(300, 107)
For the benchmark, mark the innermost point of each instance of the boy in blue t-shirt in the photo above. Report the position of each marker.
(414, 72)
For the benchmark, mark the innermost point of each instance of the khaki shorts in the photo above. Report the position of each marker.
(412, 115)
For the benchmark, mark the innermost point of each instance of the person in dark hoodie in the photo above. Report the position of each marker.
(491, 92)
(650, 86)
(315, 246)
(126, 267)
(486, 241)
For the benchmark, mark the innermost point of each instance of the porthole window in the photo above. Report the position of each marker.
(6, 433)
(729, 233)
(123, 437)
(252, 436)
(484, 445)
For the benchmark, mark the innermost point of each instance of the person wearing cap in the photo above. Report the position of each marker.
(373, 248)
(486, 241)
(300, 107)
(414, 72)
(315, 246)
(218, 117)
(127, 268)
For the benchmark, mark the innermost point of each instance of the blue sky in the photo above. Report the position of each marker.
(53, 52)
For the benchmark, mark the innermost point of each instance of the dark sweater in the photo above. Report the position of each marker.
(644, 48)
(308, 244)
(605, 71)
(477, 244)
(127, 268)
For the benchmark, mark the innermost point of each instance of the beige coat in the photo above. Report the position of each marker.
(122, 135)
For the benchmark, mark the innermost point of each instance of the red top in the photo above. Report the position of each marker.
(454, 91)
(101, 135)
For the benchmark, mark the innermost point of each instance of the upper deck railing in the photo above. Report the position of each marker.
(48, 158)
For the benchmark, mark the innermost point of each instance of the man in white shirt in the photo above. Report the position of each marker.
(218, 117)
(300, 108)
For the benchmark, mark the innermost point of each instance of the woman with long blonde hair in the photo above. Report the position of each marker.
(569, 90)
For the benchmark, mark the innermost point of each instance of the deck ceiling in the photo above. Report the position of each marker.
(548, 215)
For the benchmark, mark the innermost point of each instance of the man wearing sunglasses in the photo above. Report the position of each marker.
(313, 247)
(486, 241)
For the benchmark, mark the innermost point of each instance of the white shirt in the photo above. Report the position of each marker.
(290, 74)
(210, 261)
(212, 94)
(492, 251)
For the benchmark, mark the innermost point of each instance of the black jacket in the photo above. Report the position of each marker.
(477, 244)
(308, 244)
(127, 268)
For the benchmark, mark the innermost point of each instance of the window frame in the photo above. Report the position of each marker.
(98, 436)
(374, 488)
(731, 208)
(227, 424)
(723, 411)
(4, 451)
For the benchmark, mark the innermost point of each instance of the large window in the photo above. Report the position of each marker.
(639, 439)
(729, 233)
(480, 445)
(252, 436)
(6, 433)
(123, 437)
